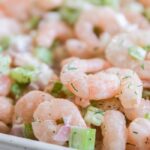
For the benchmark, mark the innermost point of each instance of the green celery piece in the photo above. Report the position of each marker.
(94, 116)
(28, 131)
(147, 48)
(147, 116)
(33, 22)
(82, 138)
(137, 53)
(22, 75)
(111, 3)
(95, 2)
(70, 15)
(5, 62)
(57, 88)
(4, 43)
(17, 90)
(44, 54)
(147, 13)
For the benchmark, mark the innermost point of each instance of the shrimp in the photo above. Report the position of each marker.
(48, 120)
(137, 19)
(120, 45)
(7, 24)
(139, 133)
(114, 131)
(96, 86)
(27, 104)
(4, 128)
(48, 4)
(5, 85)
(105, 19)
(12, 10)
(138, 112)
(130, 89)
(50, 29)
(6, 110)
(80, 49)
(146, 3)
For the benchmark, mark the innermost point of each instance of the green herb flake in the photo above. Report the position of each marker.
(147, 116)
(74, 87)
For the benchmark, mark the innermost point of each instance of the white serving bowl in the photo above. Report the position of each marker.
(9, 142)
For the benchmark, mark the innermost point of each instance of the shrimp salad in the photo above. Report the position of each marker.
(76, 73)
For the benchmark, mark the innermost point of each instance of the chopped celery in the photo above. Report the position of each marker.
(82, 138)
(28, 131)
(59, 90)
(147, 116)
(4, 43)
(5, 62)
(147, 48)
(94, 116)
(95, 2)
(22, 75)
(33, 22)
(44, 54)
(70, 15)
(111, 3)
(17, 90)
(147, 13)
(137, 53)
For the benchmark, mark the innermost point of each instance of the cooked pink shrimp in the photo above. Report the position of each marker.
(27, 104)
(48, 4)
(7, 24)
(50, 29)
(146, 3)
(21, 12)
(47, 121)
(137, 19)
(6, 110)
(139, 133)
(97, 86)
(114, 131)
(105, 19)
(120, 45)
(130, 89)
(4, 128)
(138, 112)
(5, 85)
(81, 49)
(146, 84)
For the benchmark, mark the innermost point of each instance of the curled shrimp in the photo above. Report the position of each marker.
(139, 133)
(131, 87)
(137, 19)
(48, 5)
(7, 24)
(139, 111)
(105, 19)
(114, 131)
(5, 85)
(51, 28)
(81, 49)
(27, 104)
(146, 3)
(120, 45)
(96, 86)
(6, 110)
(53, 111)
